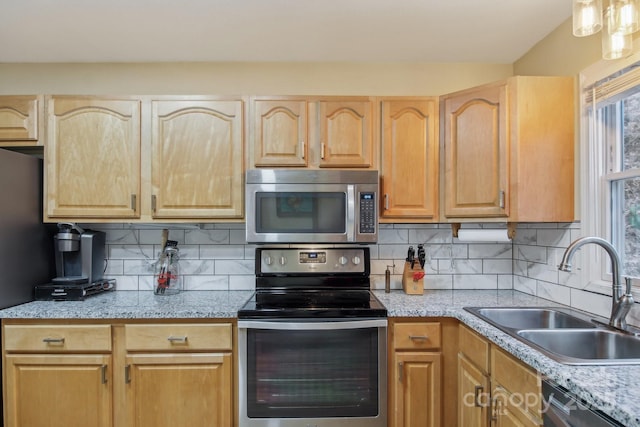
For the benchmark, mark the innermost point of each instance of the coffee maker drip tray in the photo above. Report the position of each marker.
(72, 292)
(70, 280)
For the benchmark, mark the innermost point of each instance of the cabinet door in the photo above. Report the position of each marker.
(473, 395)
(409, 159)
(476, 153)
(92, 158)
(346, 137)
(73, 390)
(19, 120)
(197, 159)
(416, 388)
(280, 133)
(179, 390)
(505, 414)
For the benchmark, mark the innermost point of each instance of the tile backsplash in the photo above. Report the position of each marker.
(217, 257)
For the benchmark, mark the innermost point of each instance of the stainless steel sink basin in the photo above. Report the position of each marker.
(585, 345)
(564, 335)
(530, 318)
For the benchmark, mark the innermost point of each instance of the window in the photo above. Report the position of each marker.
(611, 167)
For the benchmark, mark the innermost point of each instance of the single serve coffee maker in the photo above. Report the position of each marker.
(79, 255)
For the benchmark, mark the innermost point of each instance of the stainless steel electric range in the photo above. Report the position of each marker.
(312, 341)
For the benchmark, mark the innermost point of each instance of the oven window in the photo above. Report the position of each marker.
(301, 212)
(312, 374)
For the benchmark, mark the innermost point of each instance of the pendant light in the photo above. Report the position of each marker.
(621, 18)
(587, 17)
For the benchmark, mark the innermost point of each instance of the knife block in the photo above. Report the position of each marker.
(413, 279)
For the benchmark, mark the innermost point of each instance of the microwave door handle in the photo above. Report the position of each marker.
(351, 213)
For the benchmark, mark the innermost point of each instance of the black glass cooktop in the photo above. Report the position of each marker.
(312, 303)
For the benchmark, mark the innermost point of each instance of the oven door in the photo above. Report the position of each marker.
(319, 373)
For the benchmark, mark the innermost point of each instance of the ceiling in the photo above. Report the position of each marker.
(488, 31)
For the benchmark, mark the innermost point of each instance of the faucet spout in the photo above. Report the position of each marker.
(622, 302)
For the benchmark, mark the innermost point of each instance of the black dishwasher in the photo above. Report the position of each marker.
(565, 410)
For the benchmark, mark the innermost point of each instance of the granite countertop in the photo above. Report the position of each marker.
(613, 389)
(136, 305)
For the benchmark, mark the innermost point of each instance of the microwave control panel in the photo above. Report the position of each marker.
(367, 213)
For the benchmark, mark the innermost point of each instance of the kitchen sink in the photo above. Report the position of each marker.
(530, 318)
(584, 345)
(564, 335)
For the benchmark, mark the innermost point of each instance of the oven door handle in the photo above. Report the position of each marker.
(316, 325)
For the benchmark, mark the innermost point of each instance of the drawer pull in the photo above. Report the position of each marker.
(182, 339)
(59, 341)
(418, 337)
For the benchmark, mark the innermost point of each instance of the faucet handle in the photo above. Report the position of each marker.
(627, 283)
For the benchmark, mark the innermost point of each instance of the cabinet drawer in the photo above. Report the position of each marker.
(416, 336)
(57, 338)
(474, 347)
(178, 337)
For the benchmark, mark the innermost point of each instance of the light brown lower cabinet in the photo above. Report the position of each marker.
(421, 356)
(69, 390)
(121, 375)
(415, 374)
(494, 388)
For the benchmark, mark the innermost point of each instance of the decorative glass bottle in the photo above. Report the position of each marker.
(168, 280)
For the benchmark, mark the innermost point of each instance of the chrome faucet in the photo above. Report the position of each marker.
(621, 303)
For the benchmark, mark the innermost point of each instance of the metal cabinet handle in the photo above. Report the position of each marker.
(386, 202)
(322, 151)
(501, 199)
(495, 409)
(127, 374)
(418, 337)
(302, 150)
(400, 371)
(153, 203)
(53, 340)
(134, 200)
(182, 339)
(103, 374)
(476, 396)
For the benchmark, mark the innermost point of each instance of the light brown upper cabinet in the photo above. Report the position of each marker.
(509, 151)
(409, 159)
(20, 120)
(197, 158)
(144, 158)
(280, 132)
(92, 157)
(333, 132)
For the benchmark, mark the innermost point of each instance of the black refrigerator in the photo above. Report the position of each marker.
(26, 245)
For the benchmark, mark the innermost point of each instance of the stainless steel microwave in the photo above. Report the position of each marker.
(311, 206)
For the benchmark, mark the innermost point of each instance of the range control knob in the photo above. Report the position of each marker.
(283, 260)
(268, 260)
(343, 260)
(356, 260)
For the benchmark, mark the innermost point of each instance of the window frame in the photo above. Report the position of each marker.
(596, 178)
